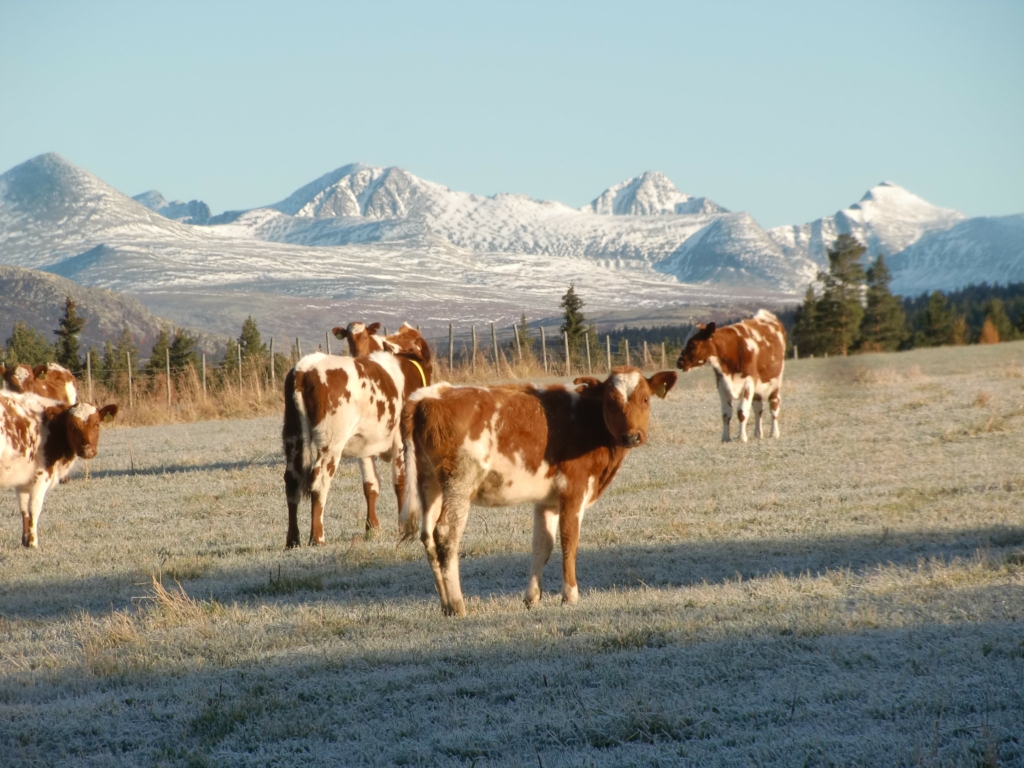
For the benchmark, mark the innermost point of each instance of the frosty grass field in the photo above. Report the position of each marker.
(851, 594)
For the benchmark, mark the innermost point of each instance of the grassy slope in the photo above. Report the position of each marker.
(850, 594)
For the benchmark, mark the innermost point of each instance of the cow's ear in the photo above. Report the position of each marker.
(54, 411)
(584, 382)
(339, 332)
(710, 329)
(108, 410)
(660, 383)
(372, 328)
(39, 371)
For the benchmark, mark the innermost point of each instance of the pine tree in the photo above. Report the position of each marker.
(805, 325)
(937, 322)
(253, 348)
(157, 363)
(574, 323)
(525, 337)
(995, 312)
(26, 345)
(71, 324)
(230, 366)
(839, 311)
(116, 357)
(183, 352)
(883, 326)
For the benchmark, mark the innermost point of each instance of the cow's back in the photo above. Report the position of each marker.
(21, 428)
(768, 333)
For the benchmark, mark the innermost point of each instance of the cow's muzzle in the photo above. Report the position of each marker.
(633, 439)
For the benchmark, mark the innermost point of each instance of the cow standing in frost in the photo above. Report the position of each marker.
(558, 447)
(39, 442)
(748, 358)
(348, 407)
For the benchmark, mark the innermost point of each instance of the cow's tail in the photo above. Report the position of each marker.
(412, 505)
(295, 435)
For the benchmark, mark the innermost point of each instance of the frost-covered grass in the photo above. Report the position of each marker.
(852, 594)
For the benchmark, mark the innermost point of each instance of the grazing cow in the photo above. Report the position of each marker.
(557, 447)
(348, 407)
(49, 380)
(39, 442)
(748, 358)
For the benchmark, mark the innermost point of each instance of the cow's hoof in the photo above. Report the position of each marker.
(570, 595)
(456, 608)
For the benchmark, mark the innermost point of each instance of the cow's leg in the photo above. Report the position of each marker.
(319, 487)
(743, 409)
(570, 519)
(545, 525)
(447, 537)
(371, 490)
(775, 403)
(398, 471)
(725, 395)
(294, 478)
(26, 518)
(431, 501)
(35, 505)
(756, 408)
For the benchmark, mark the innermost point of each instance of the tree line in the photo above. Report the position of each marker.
(111, 365)
(854, 310)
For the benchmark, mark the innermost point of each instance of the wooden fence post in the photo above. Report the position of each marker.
(167, 357)
(796, 353)
(568, 363)
(608, 350)
(239, 348)
(590, 368)
(327, 336)
(473, 328)
(204, 375)
(88, 372)
(273, 368)
(627, 351)
(544, 348)
(519, 347)
(494, 343)
(131, 397)
(451, 349)
(664, 364)
(298, 349)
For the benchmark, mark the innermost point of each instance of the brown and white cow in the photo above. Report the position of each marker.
(558, 447)
(39, 442)
(48, 380)
(348, 407)
(748, 358)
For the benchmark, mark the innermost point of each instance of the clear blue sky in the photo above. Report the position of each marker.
(787, 110)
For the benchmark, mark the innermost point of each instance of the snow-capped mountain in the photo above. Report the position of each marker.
(364, 239)
(979, 250)
(192, 212)
(649, 194)
(886, 220)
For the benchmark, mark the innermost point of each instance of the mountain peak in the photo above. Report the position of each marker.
(649, 194)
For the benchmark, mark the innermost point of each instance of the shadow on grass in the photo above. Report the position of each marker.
(173, 469)
(342, 577)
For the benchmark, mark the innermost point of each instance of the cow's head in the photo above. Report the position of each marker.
(83, 427)
(698, 349)
(626, 399)
(408, 342)
(19, 378)
(55, 381)
(362, 339)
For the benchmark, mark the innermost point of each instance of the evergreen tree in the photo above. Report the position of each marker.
(995, 312)
(183, 352)
(883, 326)
(839, 311)
(937, 322)
(253, 348)
(961, 331)
(574, 324)
(805, 325)
(525, 337)
(157, 363)
(989, 333)
(116, 357)
(71, 325)
(230, 366)
(26, 345)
